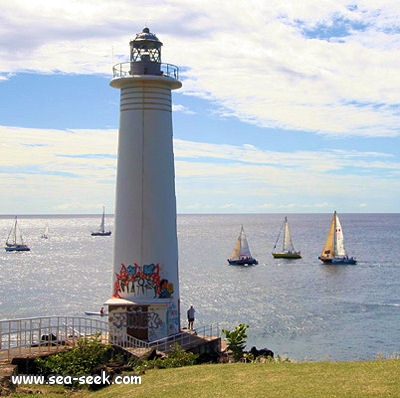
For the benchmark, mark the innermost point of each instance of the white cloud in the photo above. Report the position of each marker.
(255, 180)
(263, 62)
(53, 170)
(328, 67)
(308, 161)
(74, 170)
(183, 109)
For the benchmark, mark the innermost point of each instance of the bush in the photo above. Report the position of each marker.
(177, 358)
(236, 340)
(78, 361)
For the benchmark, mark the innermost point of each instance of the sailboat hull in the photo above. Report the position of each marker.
(339, 260)
(243, 261)
(107, 233)
(17, 248)
(287, 255)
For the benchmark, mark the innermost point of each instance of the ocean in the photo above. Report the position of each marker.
(300, 309)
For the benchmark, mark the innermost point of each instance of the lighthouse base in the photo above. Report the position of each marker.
(146, 320)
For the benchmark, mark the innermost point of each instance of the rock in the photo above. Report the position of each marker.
(264, 352)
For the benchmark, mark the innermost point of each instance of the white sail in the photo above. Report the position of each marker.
(244, 245)
(339, 240)
(45, 234)
(288, 250)
(241, 252)
(102, 224)
(287, 240)
(15, 241)
(102, 229)
(15, 235)
(241, 248)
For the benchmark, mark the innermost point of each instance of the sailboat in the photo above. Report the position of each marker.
(288, 250)
(15, 241)
(102, 231)
(45, 234)
(334, 251)
(241, 253)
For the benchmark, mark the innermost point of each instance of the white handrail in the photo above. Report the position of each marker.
(47, 333)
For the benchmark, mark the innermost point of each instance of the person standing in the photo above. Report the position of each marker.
(190, 316)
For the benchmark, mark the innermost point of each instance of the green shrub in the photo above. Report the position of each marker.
(236, 340)
(177, 358)
(79, 361)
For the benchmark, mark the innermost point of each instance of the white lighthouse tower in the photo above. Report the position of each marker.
(145, 301)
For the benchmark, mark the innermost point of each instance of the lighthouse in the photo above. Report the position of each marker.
(145, 287)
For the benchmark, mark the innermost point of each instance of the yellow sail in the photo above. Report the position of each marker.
(329, 248)
(236, 251)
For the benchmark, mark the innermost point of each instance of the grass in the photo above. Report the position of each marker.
(379, 378)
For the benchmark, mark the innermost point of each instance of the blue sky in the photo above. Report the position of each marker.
(285, 106)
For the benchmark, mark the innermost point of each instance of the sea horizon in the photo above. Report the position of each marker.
(179, 214)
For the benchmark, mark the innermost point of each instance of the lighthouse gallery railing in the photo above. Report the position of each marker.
(124, 69)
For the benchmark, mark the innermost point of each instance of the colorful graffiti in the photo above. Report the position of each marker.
(142, 281)
(172, 318)
(138, 318)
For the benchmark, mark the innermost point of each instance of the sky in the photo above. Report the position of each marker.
(285, 107)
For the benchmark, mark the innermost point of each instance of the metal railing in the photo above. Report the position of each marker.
(187, 338)
(127, 341)
(26, 336)
(124, 69)
(48, 333)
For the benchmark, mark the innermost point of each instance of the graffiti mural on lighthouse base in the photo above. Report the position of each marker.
(142, 281)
